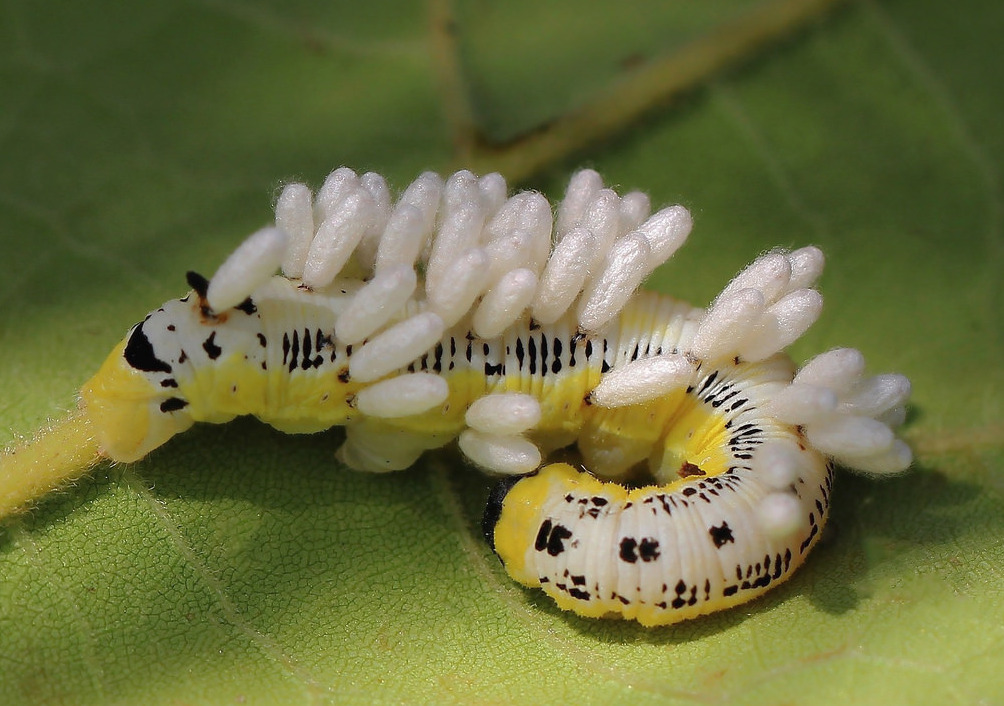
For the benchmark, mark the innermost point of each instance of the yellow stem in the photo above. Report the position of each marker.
(51, 459)
(655, 83)
(453, 83)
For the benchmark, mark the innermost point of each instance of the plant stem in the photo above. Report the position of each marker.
(621, 103)
(50, 459)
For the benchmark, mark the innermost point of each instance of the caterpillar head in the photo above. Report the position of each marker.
(133, 401)
(140, 397)
(189, 361)
(511, 520)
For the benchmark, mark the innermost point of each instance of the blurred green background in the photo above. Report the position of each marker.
(238, 565)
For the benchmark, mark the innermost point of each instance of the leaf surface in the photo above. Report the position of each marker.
(238, 565)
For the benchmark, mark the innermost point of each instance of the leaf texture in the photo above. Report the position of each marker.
(238, 565)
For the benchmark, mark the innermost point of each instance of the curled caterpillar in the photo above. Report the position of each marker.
(458, 313)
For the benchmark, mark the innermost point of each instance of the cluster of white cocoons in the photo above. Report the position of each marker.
(494, 439)
(484, 255)
(764, 309)
(845, 415)
(488, 260)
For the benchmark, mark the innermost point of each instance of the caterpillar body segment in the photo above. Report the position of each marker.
(652, 554)
(277, 357)
(710, 536)
(455, 313)
(248, 343)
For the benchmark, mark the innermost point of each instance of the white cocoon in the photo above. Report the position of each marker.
(726, 323)
(623, 271)
(581, 188)
(635, 208)
(603, 219)
(378, 451)
(336, 239)
(777, 463)
(424, 194)
(510, 252)
(876, 395)
(795, 313)
(337, 185)
(769, 274)
(374, 185)
(505, 413)
(895, 459)
(504, 303)
(460, 231)
(294, 216)
(493, 191)
(801, 404)
(564, 275)
(461, 190)
(782, 324)
(403, 238)
(894, 417)
(527, 210)
(642, 380)
(375, 304)
(250, 265)
(838, 369)
(779, 515)
(666, 231)
(403, 395)
(453, 292)
(806, 266)
(508, 455)
(396, 347)
(843, 436)
(529, 213)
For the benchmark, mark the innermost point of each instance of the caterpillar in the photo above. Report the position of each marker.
(457, 312)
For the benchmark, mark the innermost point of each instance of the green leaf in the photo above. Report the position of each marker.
(238, 565)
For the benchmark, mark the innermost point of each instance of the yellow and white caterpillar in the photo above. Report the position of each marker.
(458, 313)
